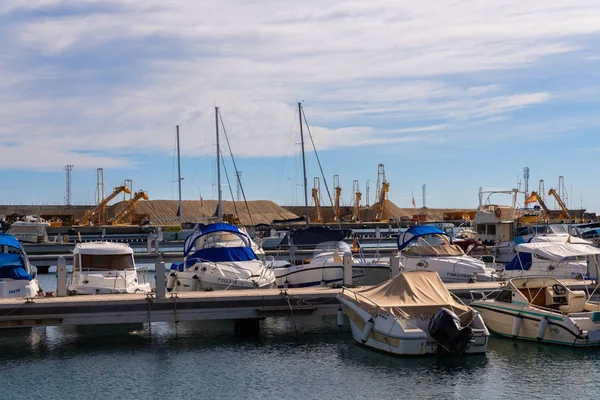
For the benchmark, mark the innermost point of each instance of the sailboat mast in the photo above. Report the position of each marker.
(220, 196)
(179, 179)
(303, 163)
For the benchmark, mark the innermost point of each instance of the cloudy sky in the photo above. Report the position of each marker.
(454, 95)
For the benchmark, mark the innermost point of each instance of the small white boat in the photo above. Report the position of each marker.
(17, 276)
(29, 232)
(413, 314)
(105, 267)
(561, 260)
(429, 248)
(541, 309)
(326, 268)
(224, 259)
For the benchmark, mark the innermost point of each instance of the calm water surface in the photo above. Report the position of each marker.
(299, 358)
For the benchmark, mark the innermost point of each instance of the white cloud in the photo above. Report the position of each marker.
(370, 72)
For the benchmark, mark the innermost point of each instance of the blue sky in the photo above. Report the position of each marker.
(455, 95)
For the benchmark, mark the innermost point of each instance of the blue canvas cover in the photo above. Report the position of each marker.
(9, 240)
(522, 261)
(212, 228)
(177, 266)
(222, 254)
(416, 232)
(12, 267)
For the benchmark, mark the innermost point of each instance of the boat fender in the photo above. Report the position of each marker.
(498, 212)
(516, 328)
(542, 329)
(194, 285)
(367, 331)
(171, 281)
(340, 317)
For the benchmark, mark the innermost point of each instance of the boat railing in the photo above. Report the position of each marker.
(357, 295)
(118, 274)
(233, 268)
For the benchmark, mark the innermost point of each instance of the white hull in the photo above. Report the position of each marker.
(450, 269)
(106, 282)
(307, 275)
(561, 329)
(399, 336)
(18, 288)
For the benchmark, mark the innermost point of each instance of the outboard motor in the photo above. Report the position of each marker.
(445, 329)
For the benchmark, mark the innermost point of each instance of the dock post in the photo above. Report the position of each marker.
(159, 278)
(377, 232)
(61, 277)
(157, 245)
(149, 244)
(394, 266)
(347, 269)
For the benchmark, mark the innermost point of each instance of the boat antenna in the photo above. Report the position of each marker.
(237, 173)
(300, 113)
(180, 210)
(320, 167)
(220, 195)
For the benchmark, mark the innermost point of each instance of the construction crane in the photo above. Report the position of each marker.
(383, 187)
(338, 195)
(96, 211)
(562, 205)
(542, 204)
(118, 219)
(316, 194)
(357, 199)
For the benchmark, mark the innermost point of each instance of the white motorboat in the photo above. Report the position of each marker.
(429, 248)
(561, 260)
(105, 267)
(29, 231)
(326, 268)
(413, 314)
(542, 309)
(223, 259)
(17, 276)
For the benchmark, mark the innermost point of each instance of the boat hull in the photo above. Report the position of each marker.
(10, 288)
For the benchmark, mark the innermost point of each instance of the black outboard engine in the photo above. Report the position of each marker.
(445, 329)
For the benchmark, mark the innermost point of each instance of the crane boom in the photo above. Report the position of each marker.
(357, 199)
(91, 214)
(542, 204)
(316, 194)
(385, 187)
(562, 205)
(129, 207)
(338, 195)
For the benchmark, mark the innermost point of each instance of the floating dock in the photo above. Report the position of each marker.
(239, 305)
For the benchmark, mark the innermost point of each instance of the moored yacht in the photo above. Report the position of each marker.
(105, 267)
(413, 314)
(429, 248)
(220, 256)
(17, 277)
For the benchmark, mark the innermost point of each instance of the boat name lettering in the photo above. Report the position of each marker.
(226, 280)
(14, 291)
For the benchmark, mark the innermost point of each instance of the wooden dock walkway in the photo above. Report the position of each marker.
(192, 306)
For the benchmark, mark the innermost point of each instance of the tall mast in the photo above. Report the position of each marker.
(219, 205)
(179, 179)
(303, 163)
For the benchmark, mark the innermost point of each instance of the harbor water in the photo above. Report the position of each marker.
(291, 358)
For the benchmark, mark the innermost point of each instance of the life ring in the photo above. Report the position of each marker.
(498, 212)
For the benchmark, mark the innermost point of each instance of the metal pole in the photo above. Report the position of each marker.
(303, 163)
(219, 210)
(179, 179)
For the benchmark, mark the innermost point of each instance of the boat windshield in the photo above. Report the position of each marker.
(107, 262)
(331, 247)
(430, 240)
(541, 230)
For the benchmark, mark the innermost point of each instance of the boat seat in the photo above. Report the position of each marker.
(576, 302)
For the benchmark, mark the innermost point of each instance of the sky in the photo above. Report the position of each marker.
(453, 95)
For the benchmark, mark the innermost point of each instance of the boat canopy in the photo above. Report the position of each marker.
(411, 293)
(213, 228)
(12, 266)
(221, 254)
(9, 240)
(558, 251)
(313, 235)
(416, 232)
(331, 247)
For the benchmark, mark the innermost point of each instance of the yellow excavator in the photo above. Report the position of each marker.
(565, 214)
(98, 210)
(118, 219)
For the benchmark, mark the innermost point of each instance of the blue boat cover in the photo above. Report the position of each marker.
(522, 261)
(11, 266)
(177, 266)
(212, 228)
(222, 254)
(9, 240)
(416, 232)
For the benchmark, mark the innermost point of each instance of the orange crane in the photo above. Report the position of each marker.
(316, 194)
(357, 199)
(562, 205)
(338, 195)
(542, 204)
(383, 189)
(118, 219)
(90, 215)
